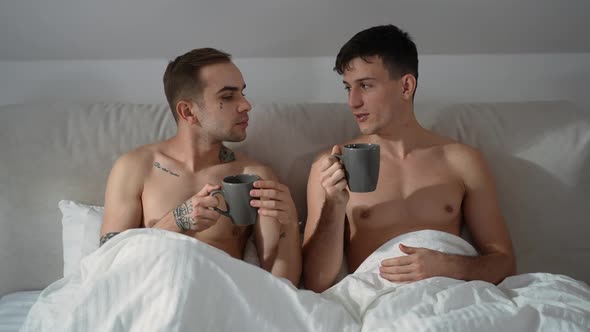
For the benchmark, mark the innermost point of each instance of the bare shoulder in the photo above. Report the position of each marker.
(458, 153)
(252, 166)
(138, 160)
(468, 162)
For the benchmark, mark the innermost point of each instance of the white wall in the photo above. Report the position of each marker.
(158, 29)
(442, 77)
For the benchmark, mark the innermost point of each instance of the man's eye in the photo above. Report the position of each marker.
(347, 88)
(365, 86)
(229, 97)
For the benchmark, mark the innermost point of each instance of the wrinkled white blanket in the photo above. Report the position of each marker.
(152, 280)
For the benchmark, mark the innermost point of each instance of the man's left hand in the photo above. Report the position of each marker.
(274, 201)
(420, 263)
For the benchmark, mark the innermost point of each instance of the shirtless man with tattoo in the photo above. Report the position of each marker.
(426, 181)
(167, 184)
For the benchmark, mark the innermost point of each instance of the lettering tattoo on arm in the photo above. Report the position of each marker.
(106, 237)
(158, 166)
(182, 216)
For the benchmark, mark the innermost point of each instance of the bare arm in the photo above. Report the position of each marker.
(123, 209)
(490, 233)
(486, 224)
(277, 231)
(323, 244)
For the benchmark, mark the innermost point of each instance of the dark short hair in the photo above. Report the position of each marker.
(182, 76)
(393, 45)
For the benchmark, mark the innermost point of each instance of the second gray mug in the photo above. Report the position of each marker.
(235, 190)
(361, 165)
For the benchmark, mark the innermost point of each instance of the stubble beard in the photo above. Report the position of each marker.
(234, 137)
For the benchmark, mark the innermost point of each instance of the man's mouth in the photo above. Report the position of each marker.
(243, 123)
(361, 117)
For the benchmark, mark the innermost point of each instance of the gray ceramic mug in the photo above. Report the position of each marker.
(361, 165)
(235, 190)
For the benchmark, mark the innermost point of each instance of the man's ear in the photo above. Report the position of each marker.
(408, 82)
(186, 110)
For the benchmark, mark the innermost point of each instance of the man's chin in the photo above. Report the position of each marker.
(367, 130)
(235, 139)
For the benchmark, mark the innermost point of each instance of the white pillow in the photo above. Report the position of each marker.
(81, 234)
(80, 231)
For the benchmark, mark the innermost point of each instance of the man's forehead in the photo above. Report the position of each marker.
(372, 66)
(217, 76)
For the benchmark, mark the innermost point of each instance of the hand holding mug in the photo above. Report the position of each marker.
(195, 214)
(236, 192)
(361, 165)
(333, 177)
(274, 200)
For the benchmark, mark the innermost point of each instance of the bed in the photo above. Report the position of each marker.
(56, 157)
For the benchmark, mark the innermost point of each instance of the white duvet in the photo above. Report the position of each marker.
(153, 280)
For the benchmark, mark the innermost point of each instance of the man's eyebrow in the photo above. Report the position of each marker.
(361, 79)
(230, 88)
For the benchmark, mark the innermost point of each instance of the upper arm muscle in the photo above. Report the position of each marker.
(123, 209)
(480, 206)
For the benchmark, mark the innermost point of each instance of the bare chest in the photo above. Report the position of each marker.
(423, 191)
(420, 195)
(168, 186)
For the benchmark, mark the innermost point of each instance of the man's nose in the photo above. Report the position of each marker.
(245, 105)
(354, 98)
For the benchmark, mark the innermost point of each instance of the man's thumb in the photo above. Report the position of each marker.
(407, 250)
(207, 189)
(336, 150)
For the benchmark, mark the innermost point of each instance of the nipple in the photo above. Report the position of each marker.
(365, 214)
(449, 208)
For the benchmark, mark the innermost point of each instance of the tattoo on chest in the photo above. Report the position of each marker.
(106, 237)
(226, 155)
(158, 166)
(183, 216)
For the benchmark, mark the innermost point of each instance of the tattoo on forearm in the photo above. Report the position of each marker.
(182, 216)
(157, 165)
(226, 155)
(106, 237)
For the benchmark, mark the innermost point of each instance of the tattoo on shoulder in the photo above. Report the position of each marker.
(182, 216)
(226, 155)
(169, 171)
(106, 237)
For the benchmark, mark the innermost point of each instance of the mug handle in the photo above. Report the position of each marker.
(338, 156)
(215, 192)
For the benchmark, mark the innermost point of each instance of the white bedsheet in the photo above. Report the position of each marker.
(14, 308)
(152, 280)
(526, 302)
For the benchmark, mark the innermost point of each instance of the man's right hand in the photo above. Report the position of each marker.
(196, 214)
(333, 178)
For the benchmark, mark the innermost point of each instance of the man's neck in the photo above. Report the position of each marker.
(198, 152)
(402, 139)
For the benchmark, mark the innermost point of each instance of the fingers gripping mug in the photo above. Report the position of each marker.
(235, 190)
(361, 164)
